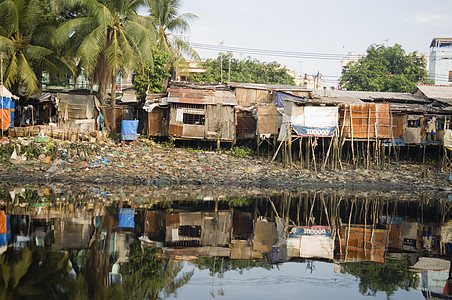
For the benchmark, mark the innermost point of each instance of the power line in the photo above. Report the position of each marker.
(276, 53)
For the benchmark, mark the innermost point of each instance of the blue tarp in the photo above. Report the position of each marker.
(314, 131)
(12, 106)
(126, 218)
(6, 103)
(129, 130)
(281, 98)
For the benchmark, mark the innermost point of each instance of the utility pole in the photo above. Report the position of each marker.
(221, 63)
(229, 70)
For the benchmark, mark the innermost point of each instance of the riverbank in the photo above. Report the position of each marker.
(159, 167)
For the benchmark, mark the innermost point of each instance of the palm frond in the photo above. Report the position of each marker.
(26, 75)
(66, 30)
(11, 72)
(114, 52)
(186, 48)
(9, 17)
(90, 48)
(6, 45)
(37, 52)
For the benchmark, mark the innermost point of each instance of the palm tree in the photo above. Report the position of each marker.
(24, 37)
(168, 23)
(111, 37)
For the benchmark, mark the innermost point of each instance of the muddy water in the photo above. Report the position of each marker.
(90, 243)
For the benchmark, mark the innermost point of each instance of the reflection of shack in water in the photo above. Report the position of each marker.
(280, 228)
(434, 273)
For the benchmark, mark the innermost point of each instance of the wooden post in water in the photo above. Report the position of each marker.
(368, 139)
(351, 133)
(258, 144)
(300, 153)
(328, 152)
(392, 136)
(313, 154)
(290, 149)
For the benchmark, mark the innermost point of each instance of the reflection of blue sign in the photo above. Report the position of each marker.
(314, 131)
(313, 230)
(126, 218)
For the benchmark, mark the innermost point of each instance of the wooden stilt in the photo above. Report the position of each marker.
(277, 150)
(327, 154)
(300, 152)
(313, 154)
(368, 140)
(258, 144)
(290, 149)
(351, 133)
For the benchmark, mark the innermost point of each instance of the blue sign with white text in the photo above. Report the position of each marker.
(314, 131)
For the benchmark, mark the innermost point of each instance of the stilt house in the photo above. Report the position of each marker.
(201, 112)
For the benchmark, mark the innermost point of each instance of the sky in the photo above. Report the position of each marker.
(313, 29)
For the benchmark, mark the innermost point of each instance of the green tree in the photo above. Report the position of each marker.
(385, 69)
(25, 30)
(246, 70)
(109, 38)
(168, 25)
(152, 78)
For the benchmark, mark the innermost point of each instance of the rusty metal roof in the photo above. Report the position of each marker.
(373, 96)
(200, 96)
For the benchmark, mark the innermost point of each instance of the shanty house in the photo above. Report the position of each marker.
(257, 110)
(307, 117)
(379, 112)
(201, 112)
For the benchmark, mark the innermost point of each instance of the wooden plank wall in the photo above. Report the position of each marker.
(248, 97)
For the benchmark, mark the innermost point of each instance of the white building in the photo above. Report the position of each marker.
(440, 61)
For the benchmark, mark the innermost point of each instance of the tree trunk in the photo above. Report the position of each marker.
(113, 101)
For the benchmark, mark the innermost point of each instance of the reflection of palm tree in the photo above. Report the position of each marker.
(171, 283)
(30, 273)
(150, 288)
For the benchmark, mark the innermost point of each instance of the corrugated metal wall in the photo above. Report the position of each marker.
(367, 120)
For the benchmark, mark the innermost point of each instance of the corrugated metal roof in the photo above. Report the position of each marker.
(369, 96)
(200, 96)
(272, 87)
(338, 100)
(437, 92)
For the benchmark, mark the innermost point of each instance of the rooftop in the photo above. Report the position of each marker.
(373, 96)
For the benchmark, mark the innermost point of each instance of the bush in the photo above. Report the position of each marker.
(242, 151)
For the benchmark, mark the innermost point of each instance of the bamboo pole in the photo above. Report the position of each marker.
(313, 155)
(351, 132)
(290, 149)
(368, 139)
(276, 153)
(342, 141)
(328, 152)
(300, 152)
(392, 136)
